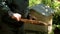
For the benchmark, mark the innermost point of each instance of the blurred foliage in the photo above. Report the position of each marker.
(34, 2)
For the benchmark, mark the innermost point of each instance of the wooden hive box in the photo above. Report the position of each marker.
(41, 13)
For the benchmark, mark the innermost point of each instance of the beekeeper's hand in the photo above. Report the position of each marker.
(16, 16)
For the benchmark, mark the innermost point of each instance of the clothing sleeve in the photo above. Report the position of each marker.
(18, 6)
(4, 9)
(5, 14)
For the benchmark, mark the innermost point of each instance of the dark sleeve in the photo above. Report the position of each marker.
(19, 6)
(3, 8)
(8, 1)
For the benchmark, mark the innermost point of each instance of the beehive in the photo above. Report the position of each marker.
(42, 13)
